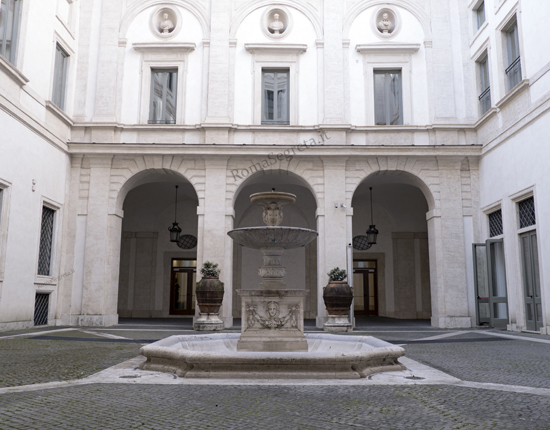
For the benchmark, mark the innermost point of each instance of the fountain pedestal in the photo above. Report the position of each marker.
(272, 320)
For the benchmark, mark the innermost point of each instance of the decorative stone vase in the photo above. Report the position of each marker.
(209, 293)
(338, 296)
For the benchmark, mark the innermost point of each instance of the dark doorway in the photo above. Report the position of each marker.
(183, 275)
(365, 288)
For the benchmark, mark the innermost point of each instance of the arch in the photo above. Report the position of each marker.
(243, 11)
(420, 172)
(302, 172)
(413, 8)
(139, 6)
(129, 172)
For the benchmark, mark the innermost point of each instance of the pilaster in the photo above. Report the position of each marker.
(96, 297)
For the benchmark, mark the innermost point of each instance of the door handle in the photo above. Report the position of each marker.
(530, 297)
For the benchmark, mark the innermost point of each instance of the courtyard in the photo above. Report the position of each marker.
(86, 378)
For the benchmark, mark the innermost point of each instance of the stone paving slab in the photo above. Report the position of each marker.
(102, 406)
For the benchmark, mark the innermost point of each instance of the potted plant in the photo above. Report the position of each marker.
(337, 295)
(209, 289)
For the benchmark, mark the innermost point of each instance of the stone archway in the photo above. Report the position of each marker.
(448, 195)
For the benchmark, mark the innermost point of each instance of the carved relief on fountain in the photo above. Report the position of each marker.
(271, 318)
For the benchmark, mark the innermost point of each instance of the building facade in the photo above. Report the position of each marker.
(442, 108)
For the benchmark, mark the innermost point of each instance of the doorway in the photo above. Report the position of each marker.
(531, 280)
(183, 275)
(490, 283)
(365, 288)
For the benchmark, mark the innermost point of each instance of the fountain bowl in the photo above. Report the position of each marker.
(273, 237)
(328, 357)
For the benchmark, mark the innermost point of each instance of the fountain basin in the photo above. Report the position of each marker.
(216, 356)
(273, 237)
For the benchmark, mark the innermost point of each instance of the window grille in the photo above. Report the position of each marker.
(9, 28)
(163, 104)
(388, 97)
(46, 241)
(275, 97)
(41, 305)
(526, 210)
(59, 77)
(495, 223)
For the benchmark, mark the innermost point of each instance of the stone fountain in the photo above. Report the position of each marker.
(272, 343)
(273, 316)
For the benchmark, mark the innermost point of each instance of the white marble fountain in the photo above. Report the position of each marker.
(272, 342)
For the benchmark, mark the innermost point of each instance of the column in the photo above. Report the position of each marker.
(213, 224)
(332, 227)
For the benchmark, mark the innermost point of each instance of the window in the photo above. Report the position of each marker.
(480, 15)
(275, 96)
(388, 97)
(485, 96)
(9, 26)
(495, 223)
(162, 106)
(59, 77)
(46, 241)
(526, 209)
(513, 71)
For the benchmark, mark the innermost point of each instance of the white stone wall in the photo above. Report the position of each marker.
(101, 147)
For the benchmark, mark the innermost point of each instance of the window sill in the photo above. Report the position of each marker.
(512, 93)
(10, 70)
(479, 32)
(59, 113)
(486, 116)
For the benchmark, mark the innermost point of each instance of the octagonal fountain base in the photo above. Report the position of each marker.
(328, 357)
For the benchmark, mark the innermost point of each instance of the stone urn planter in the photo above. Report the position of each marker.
(338, 296)
(209, 293)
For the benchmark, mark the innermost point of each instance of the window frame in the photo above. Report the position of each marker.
(60, 80)
(513, 59)
(151, 99)
(484, 90)
(286, 121)
(480, 7)
(15, 31)
(162, 56)
(50, 280)
(380, 71)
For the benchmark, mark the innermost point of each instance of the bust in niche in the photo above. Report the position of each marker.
(276, 26)
(166, 25)
(385, 25)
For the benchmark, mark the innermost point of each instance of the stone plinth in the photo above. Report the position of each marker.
(338, 323)
(208, 322)
(272, 320)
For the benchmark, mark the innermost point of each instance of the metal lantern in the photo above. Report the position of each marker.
(175, 230)
(372, 233)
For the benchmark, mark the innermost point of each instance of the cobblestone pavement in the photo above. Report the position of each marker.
(470, 355)
(33, 361)
(258, 407)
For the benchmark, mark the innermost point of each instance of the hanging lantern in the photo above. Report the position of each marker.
(175, 230)
(372, 232)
